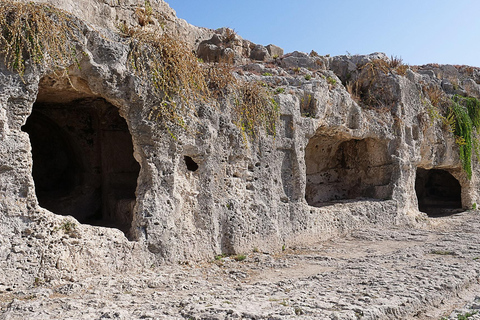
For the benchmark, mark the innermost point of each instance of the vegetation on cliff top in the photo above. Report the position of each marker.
(41, 36)
(371, 86)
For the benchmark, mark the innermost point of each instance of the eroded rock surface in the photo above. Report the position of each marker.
(358, 144)
(387, 273)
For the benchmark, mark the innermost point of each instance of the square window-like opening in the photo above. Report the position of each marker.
(339, 169)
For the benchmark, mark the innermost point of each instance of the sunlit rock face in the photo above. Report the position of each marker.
(91, 182)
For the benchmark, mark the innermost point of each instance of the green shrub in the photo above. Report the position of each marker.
(467, 123)
(240, 257)
(331, 81)
(466, 315)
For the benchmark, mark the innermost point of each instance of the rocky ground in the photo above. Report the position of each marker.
(396, 273)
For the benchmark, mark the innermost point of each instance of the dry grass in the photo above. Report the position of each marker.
(372, 87)
(170, 67)
(364, 88)
(352, 89)
(220, 79)
(37, 32)
(375, 66)
(402, 69)
(308, 105)
(469, 70)
(435, 95)
(255, 108)
(395, 62)
(145, 14)
(179, 81)
(386, 66)
(230, 35)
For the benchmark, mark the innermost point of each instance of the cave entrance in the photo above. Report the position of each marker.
(83, 162)
(339, 169)
(438, 192)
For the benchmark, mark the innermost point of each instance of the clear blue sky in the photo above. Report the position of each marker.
(419, 31)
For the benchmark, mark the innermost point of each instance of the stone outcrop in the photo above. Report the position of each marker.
(341, 158)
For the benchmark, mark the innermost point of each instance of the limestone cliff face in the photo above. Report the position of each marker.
(87, 147)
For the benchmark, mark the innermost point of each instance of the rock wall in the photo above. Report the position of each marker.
(335, 164)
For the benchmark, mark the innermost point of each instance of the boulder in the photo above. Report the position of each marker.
(274, 51)
(259, 53)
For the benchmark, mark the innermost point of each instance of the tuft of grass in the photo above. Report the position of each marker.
(443, 252)
(230, 35)
(68, 227)
(307, 105)
(466, 315)
(145, 14)
(395, 62)
(435, 95)
(371, 87)
(240, 257)
(402, 70)
(352, 89)
(331, 82)
(219, 257)
(308, 77)
(39, 33)
(299, 311)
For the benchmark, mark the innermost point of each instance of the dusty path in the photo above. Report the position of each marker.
(369, 274)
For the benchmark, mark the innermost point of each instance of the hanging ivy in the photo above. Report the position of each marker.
(467, 124)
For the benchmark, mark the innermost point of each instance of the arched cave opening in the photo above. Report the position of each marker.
(438, 192)
(83, 162)
(338, 169)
